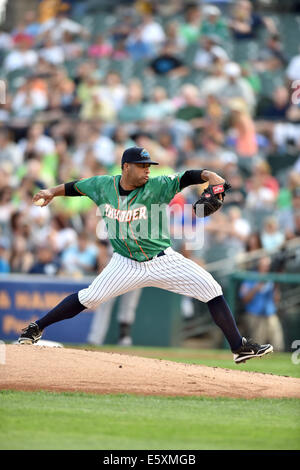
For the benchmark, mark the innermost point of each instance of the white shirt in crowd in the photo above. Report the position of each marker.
(262, 198)
(57, 28)
(53, 55)
(104, 150)
(43, 145)
(204, 59)
(153, 33)
(293, 69)
(20, 59)
(116, 96)
(24, 104)
(6, 41)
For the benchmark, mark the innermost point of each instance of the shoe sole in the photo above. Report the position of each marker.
(25, 341)
(28, 340)
(246, 358)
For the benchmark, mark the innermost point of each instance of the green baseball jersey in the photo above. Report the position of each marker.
(137, 224)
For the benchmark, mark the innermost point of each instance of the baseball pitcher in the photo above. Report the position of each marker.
(143, 256)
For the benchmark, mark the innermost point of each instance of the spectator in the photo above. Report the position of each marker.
(245, 24)
(167, 63)
(152, 32)
(285, 136)
(173, 36)
(237, 194)
(4, 256)
(212, 150)
(190, 28)
(113, 90)
(287, 214)
(192, 107)
(79, 258)
(60, 24)
(275, 108)
(187, 151)
(260, 299)
(165, 159)
(251, 76)
(272, 238)
(21, 258)
(52, 52)
(293, 69)
(120, 51)
(96, 107)
(262, 170)
(213, 23)
(102, 146)
(59, 166)
(245, 141)
(259, 197)
(137, 47)
(71, 49)
(271, 57)
(36, 141)
(19, 226)
(6, 41)
(100, 48)
(208, 53)
(46, 261)
(122, 141)
(216, 81)
(30, 98)
(31, 23)
(159, 106)
(48, 9)
(22, 56)
(165, 140)
(6, 206)
(10, 154)
(133, 109)
(60, 235)
(88, 83)
(236, 87)
(253, 242)
(239, 229)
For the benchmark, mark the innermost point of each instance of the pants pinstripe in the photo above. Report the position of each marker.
(172, 272)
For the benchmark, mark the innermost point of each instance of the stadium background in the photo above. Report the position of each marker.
(78, 92)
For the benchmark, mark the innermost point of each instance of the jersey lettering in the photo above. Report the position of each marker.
(126, 216)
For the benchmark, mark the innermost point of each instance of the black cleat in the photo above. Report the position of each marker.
(31, 334)
(249, 349)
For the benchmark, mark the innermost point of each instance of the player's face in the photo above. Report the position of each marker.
(139, 173)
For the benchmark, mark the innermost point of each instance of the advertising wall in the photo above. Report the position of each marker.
(25, 299)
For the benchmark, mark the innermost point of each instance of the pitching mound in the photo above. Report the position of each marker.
(42, 368)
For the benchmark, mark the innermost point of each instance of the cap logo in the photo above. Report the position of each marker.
(144, 153)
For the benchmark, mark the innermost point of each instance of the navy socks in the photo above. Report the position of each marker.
(223, 317)
(70, 306)
(67, 308)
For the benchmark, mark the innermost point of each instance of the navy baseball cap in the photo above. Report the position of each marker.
(137, 155)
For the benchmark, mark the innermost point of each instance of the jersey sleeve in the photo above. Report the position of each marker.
(167, 186)
(91, 187)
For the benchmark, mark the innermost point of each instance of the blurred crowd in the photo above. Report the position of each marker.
(167, 76)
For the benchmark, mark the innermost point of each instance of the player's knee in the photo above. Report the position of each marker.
(215, 291)
(86, 299)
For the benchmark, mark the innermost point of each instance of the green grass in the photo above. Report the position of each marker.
(275, 363)
(45, 420)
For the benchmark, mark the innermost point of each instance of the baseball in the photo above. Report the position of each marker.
(39, 202)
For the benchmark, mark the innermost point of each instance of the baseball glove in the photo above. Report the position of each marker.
(211, 199)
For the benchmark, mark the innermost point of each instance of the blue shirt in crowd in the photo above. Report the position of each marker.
(263, 301)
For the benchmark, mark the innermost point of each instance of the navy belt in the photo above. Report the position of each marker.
(161, 253)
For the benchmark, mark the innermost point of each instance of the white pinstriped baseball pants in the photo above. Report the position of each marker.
(172, 272)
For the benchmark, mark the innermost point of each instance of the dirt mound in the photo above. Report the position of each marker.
(55, 369)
